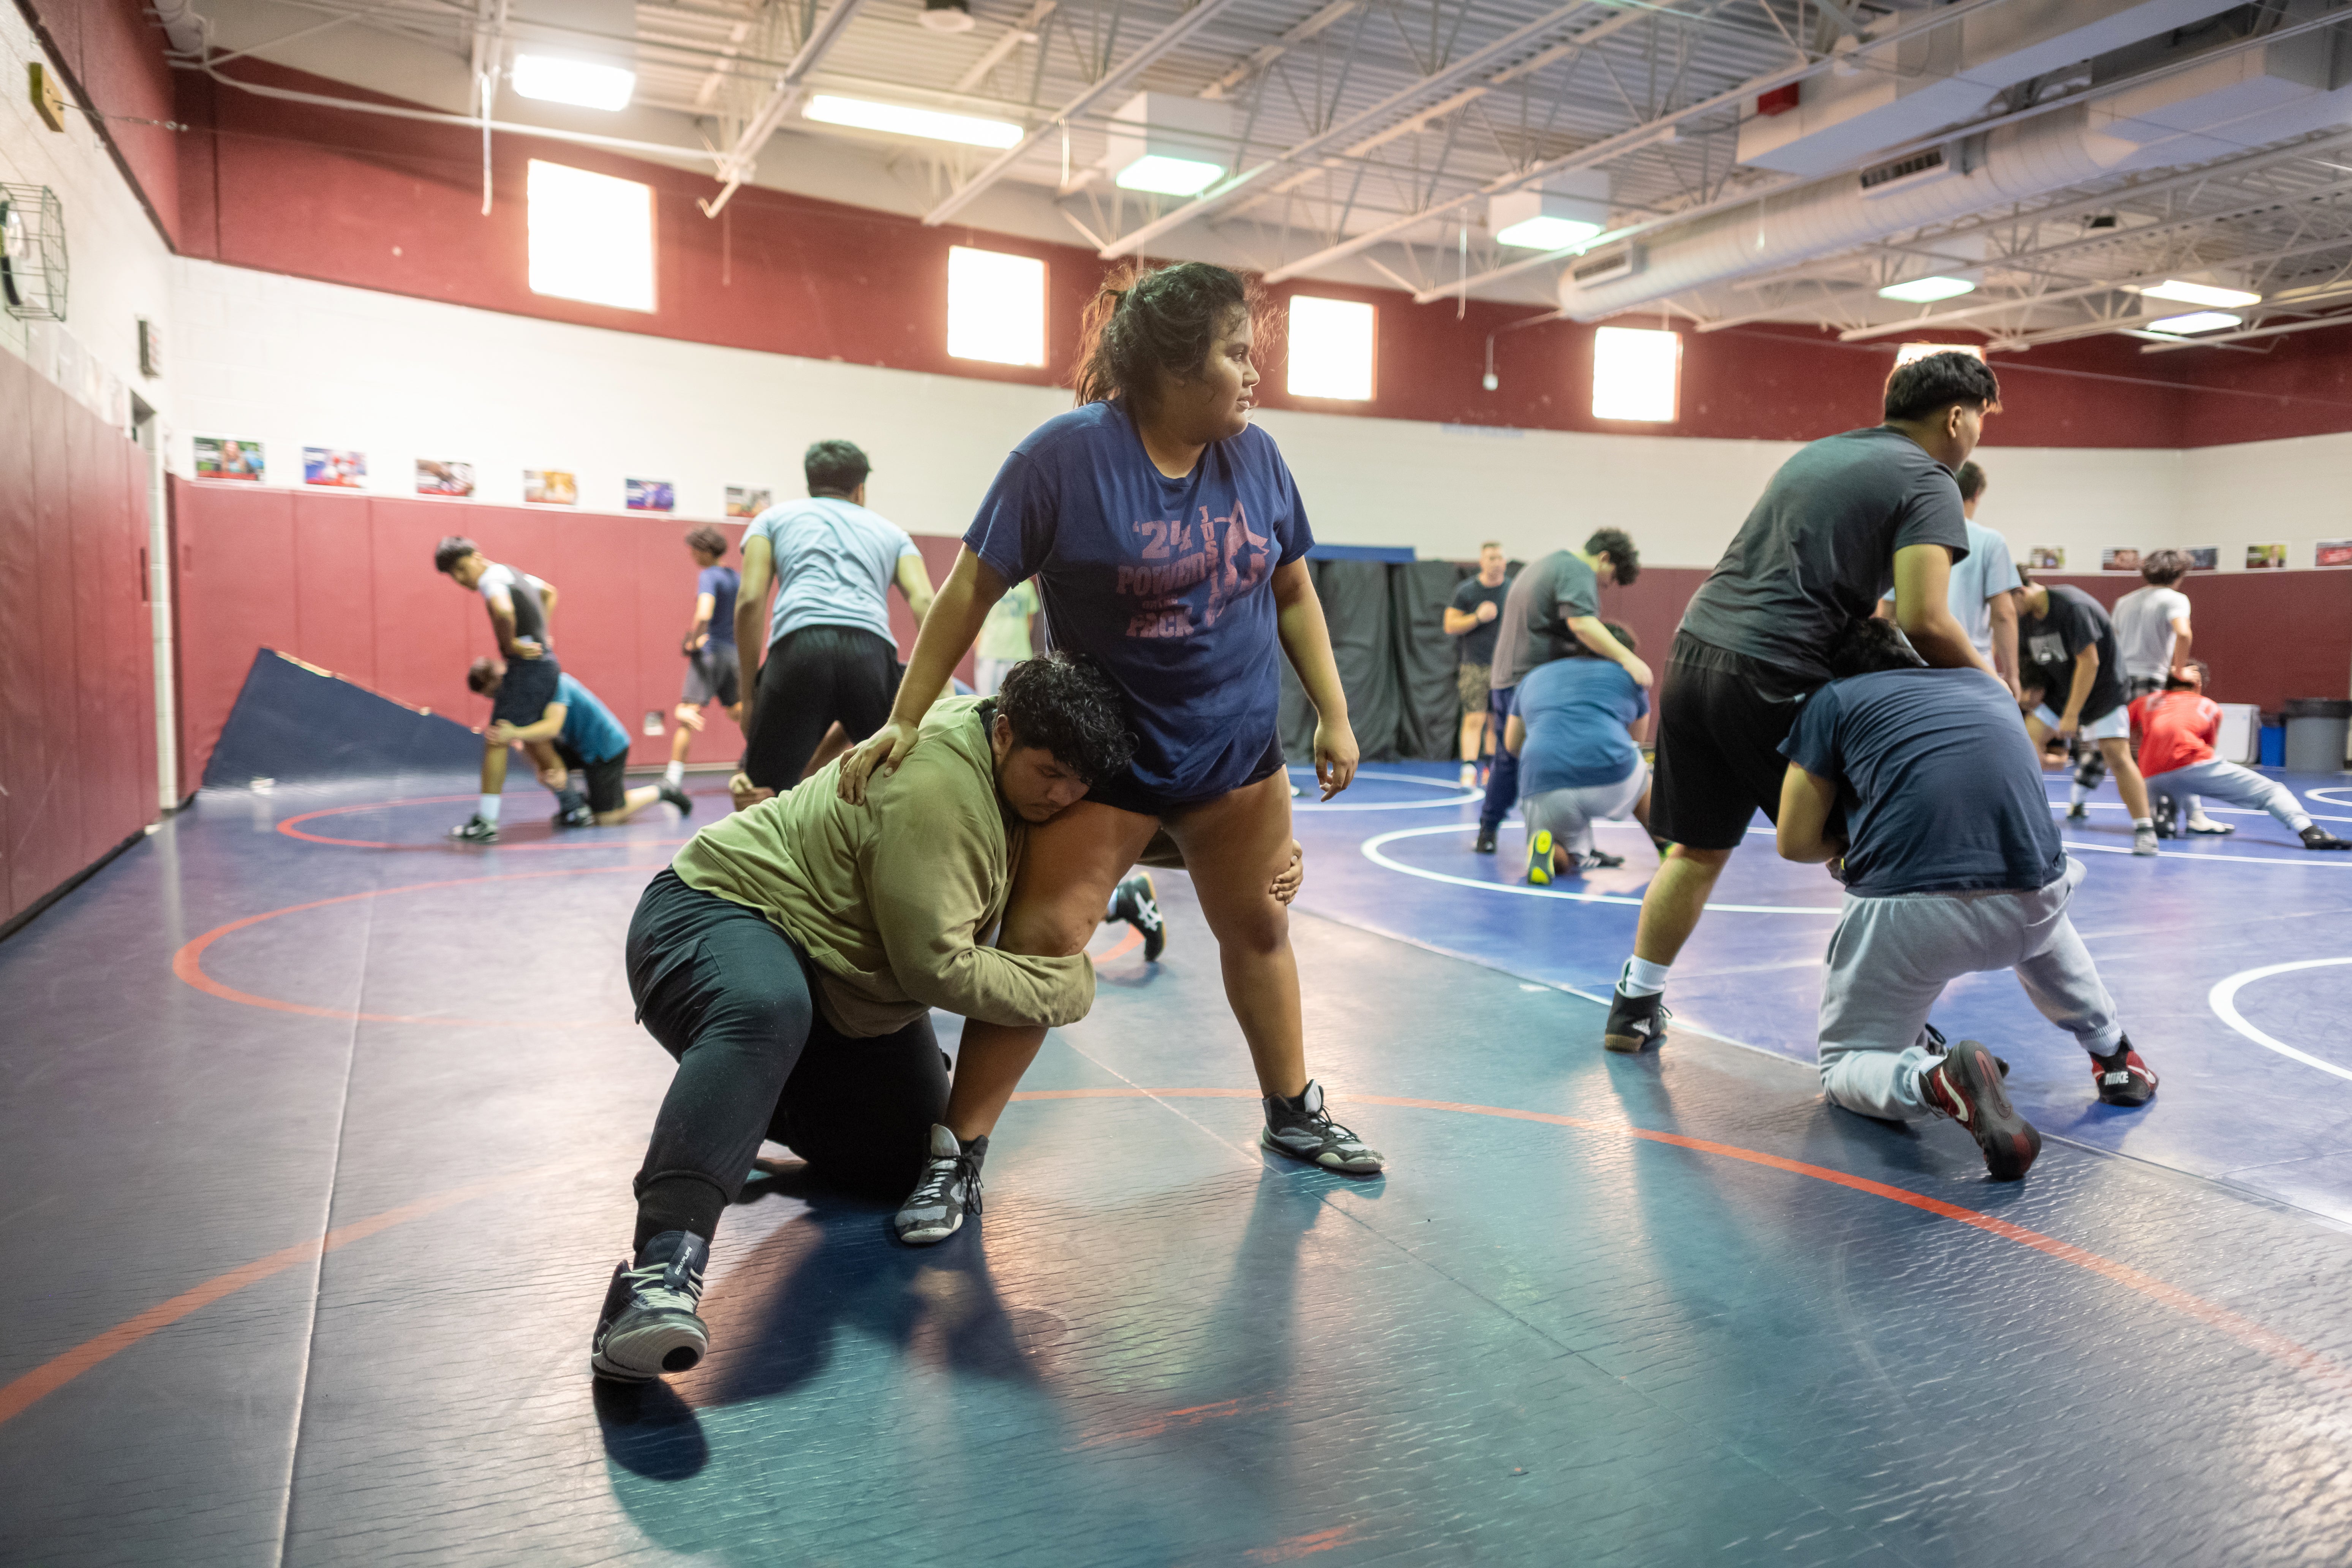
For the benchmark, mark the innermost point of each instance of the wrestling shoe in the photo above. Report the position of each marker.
(2123, 1079)
(2167, 816)
(648, 1325)
(1966, 1086)
(2317, 838)
(1486, 845)
(2078, 812)
(677, 798)
(1636, 1023)
(1137, 902)
(1304, 1129)
(949, 1191)
(1594, 860)
(1540, 857)
(474, 830)
(573, 810)
(2144, 840)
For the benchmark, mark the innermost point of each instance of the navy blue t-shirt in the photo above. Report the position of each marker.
(1941, 789)
(720, 583)
(1166, 584)
(1577, 712)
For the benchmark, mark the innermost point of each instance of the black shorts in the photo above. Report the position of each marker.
(814, 677)
(712, 673)
(1721, 719)
(527, 689)
(1125, 792)
(608, 784)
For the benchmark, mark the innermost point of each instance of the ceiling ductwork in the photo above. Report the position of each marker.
(2245, 98)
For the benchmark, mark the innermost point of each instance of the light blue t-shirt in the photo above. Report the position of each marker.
(1987, 570)
(835, 562)
(1577, 712)
(589, 732)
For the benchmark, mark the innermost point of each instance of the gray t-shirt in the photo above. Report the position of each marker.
(524, 590)
(1818, 550)
(1533, 627)
(2144, 631)
(834, 563)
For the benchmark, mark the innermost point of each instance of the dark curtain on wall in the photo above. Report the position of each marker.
(1396, 663)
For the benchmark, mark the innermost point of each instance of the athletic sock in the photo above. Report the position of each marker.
(2076, 796)
(489, 809)
(1640, 977)
(678, 1203)
(2140, 822)
(675, 774)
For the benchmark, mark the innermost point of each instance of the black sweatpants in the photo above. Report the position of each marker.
(813, 677)
(730, 996)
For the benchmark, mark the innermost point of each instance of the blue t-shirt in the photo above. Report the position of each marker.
(1576, 711)
(1166, 584)
(834, 563)
(589, 732)
(720, 583)
(1941, 789)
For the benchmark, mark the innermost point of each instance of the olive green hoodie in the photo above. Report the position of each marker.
(889, 899)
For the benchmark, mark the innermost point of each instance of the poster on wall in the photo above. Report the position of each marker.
(745, 502)
(2046, 557)
(2204, 558)
(652, 495)
(2260, 557)
(444, 478)
(329, 466)
(2118, 559)
(2332, 553)
(228, 457)
(550, 487)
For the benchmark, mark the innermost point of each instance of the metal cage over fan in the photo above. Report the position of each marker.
(32, 253)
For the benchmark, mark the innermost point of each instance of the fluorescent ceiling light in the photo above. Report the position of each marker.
(552, 79)
(1911, 351)
(996, 306)
(1169, 176)
(2197, 322)
(1330, 349)
(1635, 373)
(1548, 234)
(2199, 294)
(896, 120)
(1927, 290)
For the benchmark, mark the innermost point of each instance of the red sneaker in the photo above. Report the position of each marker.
(2123, 1079)
(1966, 1086)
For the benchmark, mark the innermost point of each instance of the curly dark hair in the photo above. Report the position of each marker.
(451, 550)
(484, 673)
(1147, 322)
(1618, 629)
(706, 539)
(1871, 647)
(1620, 550)
(2163, 568)
(1069, 706)
(1922, 386)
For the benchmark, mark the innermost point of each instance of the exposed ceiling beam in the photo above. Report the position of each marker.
(1015, 36)
(738, 162)
(1260, 59)
(1203, 13)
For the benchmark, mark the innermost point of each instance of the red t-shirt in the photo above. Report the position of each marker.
(2177, 730)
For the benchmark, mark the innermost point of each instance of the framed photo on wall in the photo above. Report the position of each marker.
(550, 487)
(2118, 559)
(2332, 553)
(742, 501)
(652, 495)
(331, 466)
(444, 478)
(228, 457)
(2046, 557)
(2204, 557)
(2264, 557)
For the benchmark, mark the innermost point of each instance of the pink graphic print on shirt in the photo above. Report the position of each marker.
(1223, 552)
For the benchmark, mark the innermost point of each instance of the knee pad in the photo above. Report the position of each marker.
(2090, 767)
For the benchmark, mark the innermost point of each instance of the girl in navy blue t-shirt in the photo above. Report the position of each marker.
(1169, 544)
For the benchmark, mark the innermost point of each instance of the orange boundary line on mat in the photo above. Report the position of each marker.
(45, 1379)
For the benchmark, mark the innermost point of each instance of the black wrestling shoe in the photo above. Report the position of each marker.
(2167, 816)
(2123, 1079)
(2078, 812)
(1932, 1039)
(2317, 838)
(573, 811)
(1137, 902)
(1636, 1023)
(1966, 1086)
(648, 1325)
(1594, 860)
(474, 830)
(950, 1190)
(1486, 845)
(677, 798)
(1304, 1129)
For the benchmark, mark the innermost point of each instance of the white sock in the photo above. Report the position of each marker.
(1640, 977)
(2140, 822)
(489, 810)
(2076, 796)
(675, 772)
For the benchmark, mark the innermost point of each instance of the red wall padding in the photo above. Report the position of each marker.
(77, 650)
(347, 582)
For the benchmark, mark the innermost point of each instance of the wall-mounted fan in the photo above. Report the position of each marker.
(32, 253)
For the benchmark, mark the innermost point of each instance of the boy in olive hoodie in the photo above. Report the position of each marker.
(791, 953)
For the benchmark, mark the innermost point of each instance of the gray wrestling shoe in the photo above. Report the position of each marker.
(950, 1190)
(1304, 1129)
(648, 1325)
(474, 830)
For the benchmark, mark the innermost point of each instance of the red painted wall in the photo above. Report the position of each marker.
(111, 56)
(347, 582)
(77, 648)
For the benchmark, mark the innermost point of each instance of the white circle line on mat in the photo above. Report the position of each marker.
(2319, 861)
(1467, 797)
(2222, 999)
(2332, 795)
(1372, 846)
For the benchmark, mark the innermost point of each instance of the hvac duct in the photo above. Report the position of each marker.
(2260, 95)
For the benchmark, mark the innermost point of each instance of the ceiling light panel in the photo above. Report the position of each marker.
(554, 79)
(898, 119)
(1927, 290)
(2197, 322)
(2199, 294)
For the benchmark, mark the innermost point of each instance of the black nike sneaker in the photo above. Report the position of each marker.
(648, 1325)
(2317, 838)
(2122, 1078)
(1966, 1086)
(1137, 902)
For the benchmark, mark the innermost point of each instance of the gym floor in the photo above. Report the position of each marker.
(321, 1131)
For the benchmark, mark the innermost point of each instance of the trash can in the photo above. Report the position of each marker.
(2317, 730)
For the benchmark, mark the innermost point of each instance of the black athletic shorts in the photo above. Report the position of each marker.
(712, 673)
(814, 677)
(1126, 793)
(527, 689)
(608, 786)
(1721, 719)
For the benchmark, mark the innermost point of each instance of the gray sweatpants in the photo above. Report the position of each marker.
(1890, 958)
(1569, 813)
(2217, 780)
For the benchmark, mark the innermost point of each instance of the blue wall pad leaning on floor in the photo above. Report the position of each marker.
(296, 721)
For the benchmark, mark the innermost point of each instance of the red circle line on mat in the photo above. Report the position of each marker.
(24, 1390)
(188, 963)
